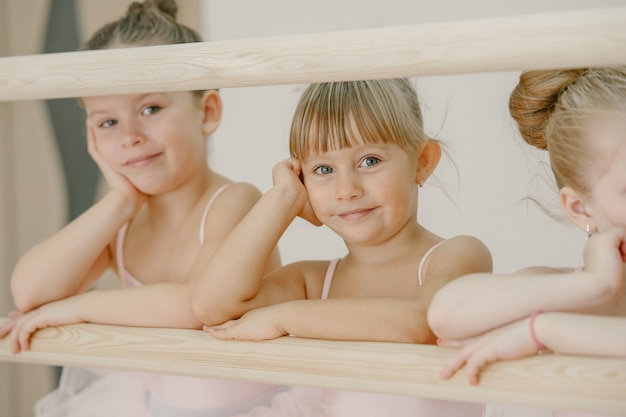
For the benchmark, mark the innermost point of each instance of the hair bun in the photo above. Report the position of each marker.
(534, 98)
(167, 7)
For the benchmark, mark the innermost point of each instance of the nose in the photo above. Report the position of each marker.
(132, 134)
(348, 186)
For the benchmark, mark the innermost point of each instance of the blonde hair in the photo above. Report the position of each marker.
(554, 109)
(150, 23)
(329, 114)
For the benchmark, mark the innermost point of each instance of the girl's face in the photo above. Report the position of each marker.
(155, 140)
(366, 193)
(607, 202)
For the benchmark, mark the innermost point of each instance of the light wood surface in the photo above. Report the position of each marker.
(554, 40)
(551, 381)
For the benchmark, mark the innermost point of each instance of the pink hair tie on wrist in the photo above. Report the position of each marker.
(531, 324)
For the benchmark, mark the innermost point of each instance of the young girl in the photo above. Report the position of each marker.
(163, 217)
(579, 116)
(359, 155)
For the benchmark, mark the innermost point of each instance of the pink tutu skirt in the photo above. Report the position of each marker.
(101, 393)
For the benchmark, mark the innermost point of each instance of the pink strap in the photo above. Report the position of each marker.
(424, 262)
(328, 279)
(206, 210)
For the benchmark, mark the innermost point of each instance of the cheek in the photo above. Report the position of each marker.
(317, 196)
(107, 150)
(396, 193)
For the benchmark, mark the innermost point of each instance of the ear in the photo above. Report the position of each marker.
(575, 208)
(211, 103)
(428, 157)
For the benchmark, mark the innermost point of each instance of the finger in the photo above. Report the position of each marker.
(456, 363)
(14, 314)
(224, 333)
(476, 363)
(26, 332)
(6, 328)
(13, 338)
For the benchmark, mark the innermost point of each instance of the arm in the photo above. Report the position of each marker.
(165, 304)
(391, 319)
(71, 260)
(476, 303)
(229, 284)
(566, 333)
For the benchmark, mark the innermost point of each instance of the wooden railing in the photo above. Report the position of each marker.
(552, 381)
(556, 40)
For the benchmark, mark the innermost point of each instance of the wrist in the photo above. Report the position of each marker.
(123, 204)
(291, 198)
(284, 312)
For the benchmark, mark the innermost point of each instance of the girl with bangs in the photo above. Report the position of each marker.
(359, 156)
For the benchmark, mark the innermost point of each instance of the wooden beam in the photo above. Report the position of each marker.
(552, 381)
(552, 40)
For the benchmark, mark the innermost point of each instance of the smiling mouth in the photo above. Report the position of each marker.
(141, 161)
(355, 214)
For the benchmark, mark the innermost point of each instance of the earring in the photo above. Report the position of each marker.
(588, 231)
(421, 183)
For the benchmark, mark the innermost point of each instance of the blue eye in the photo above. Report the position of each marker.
(369, 161)
(323, 170)
(108, 123)
(148, 110)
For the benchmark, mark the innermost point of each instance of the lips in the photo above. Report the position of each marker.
(142, 160)
(355, 214)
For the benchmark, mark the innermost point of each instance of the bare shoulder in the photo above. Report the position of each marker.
(228, 208)
(466, 245)
(239, 192)
(469, 254)
(235, 200)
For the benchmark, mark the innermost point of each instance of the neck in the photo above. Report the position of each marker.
(176, 204)
(404, 244)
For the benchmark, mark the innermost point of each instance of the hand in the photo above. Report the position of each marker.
(510, 341)
(289, 173)
(258, 324)
(56, 313)
(605, 255)
(8, 325)
(114, 179)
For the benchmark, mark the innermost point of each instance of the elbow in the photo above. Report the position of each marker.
(610, 291)
(208, 312)
(439, 320)
(22, 302)
(23, 297)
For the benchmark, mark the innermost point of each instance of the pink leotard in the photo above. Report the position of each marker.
(352, 403)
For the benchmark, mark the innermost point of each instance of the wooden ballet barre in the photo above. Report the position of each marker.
(540, 41)
(551, 381)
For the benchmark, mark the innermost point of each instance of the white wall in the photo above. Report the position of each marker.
(494, 170)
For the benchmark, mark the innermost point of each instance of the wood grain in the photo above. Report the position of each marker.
(553, 40)
(553, 381)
